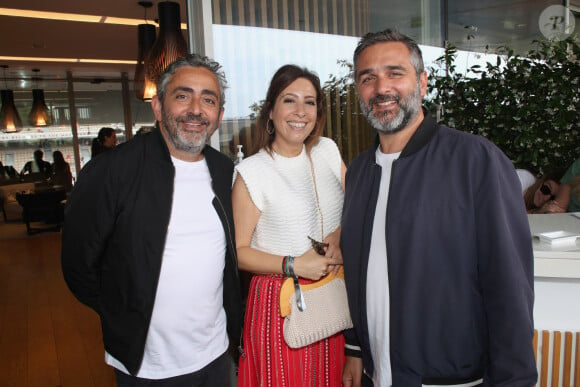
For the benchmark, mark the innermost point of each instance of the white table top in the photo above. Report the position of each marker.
(557, 260)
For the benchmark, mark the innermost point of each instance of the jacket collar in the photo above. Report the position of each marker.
(163, 149)
(422, 135)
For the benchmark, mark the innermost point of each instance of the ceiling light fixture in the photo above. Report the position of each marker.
(10, 121)
(75, 17)
(170, 43)
(144, 88)
(66, 60)
(39, 114)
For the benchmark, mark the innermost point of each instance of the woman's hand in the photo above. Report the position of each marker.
(312, 265)
(552, 207)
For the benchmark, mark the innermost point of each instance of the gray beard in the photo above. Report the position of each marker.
(179, 141)
(408, 108)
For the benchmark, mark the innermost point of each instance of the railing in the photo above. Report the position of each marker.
(346, 124)
(558, 358)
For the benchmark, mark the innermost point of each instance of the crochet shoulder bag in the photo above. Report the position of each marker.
(325, 310)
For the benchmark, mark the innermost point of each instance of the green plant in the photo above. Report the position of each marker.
(527, 105)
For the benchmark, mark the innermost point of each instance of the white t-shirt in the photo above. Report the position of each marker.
(188, 325)
(377, 291)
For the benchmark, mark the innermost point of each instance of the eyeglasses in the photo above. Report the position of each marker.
(546, 190)
(318, 246)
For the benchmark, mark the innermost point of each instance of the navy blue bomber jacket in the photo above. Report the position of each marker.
(460, 261)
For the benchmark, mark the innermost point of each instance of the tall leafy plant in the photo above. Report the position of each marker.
(527, 105)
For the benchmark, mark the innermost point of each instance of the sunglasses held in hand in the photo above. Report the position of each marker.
(318, 246)
(546, 190)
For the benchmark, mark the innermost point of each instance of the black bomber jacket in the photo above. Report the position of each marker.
(113, 239)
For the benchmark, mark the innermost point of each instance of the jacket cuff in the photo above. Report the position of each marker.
(351, 345)
(352, 350)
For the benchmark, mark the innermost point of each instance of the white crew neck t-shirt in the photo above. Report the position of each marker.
(188, 324)
(377, 291)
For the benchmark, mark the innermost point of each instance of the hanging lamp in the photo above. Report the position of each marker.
(10, 121)
(146, 39)
(39, 114)
(170, 43)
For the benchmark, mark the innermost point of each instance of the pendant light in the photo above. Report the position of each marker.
(146, 39)
(39, 114)
(170, 43)
(10, 121)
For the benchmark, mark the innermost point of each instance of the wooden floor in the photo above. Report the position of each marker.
(47, 338)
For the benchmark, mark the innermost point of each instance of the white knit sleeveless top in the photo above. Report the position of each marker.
(282, 188)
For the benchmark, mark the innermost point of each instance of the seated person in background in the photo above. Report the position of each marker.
(105, 140)
(551, 193)
(3, 172)
(568, 196)
(7, 172)
(38, 165)
(61, 174)
(527, 178)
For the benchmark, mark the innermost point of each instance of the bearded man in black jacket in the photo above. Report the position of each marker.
(148, 240)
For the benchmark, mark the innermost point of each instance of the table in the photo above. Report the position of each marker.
(556, 274)
(556, 260)
(8, 195)
(46, 205)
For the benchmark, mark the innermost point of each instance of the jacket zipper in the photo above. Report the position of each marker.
(231, 242)
(235, 255)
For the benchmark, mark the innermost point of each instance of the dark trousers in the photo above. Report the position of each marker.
(215, 374)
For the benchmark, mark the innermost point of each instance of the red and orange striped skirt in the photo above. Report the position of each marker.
(267, 361)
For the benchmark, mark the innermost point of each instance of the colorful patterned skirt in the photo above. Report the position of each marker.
(268, 361)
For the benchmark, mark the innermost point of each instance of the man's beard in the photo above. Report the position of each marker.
(408, 108)
(182, 140)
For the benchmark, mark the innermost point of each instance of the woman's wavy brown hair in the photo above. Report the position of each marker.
(280, 81)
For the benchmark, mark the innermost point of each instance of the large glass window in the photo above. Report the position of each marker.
(420, 19)
(491, 24)
(18, 148)
(252, 41)
(98, 104)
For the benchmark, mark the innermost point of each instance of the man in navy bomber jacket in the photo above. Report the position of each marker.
(437, 248)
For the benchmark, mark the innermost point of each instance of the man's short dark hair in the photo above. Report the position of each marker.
(192, 60)
(389, 35)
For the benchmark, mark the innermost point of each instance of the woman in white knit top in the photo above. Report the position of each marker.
(290, 190)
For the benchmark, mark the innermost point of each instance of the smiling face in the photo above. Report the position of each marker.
(190, 112)
(389, 90)
(294, 116)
